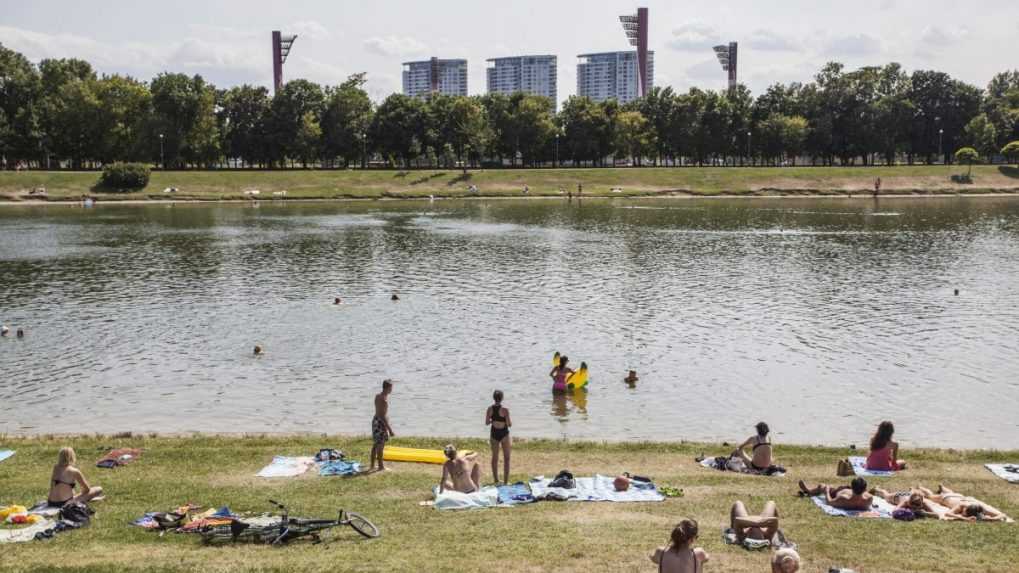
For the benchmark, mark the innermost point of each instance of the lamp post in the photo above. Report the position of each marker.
(162, 157)
(364, 150)
(941, 133)
(555, 159)
(749, 139)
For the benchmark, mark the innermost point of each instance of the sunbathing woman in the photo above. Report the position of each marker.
(853, 497)
(761, 449)
(679, 556)
(65, 478)
(460, 473)
(963, 507)
(884, 453)
(559, 375)
(498, 417)
(914, 501)
(763, 526)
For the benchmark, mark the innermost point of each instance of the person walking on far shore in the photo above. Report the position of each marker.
(877, 187)
(381, 430)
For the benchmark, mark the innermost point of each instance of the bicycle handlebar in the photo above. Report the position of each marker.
(277, 504)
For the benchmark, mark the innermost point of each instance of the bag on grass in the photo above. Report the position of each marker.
(563, 479)
(844, 468)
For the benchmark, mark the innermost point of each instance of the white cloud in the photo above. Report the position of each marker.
(309, 29)
(394, 46)
(770, 41)
(694, 37)
(853, 45)
(936, 36)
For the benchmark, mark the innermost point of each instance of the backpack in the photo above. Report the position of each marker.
(563, 479)
(844, 468)
(76, 514)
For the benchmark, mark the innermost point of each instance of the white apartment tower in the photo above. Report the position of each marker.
(612, 75)
(435, 76)
(529, 74)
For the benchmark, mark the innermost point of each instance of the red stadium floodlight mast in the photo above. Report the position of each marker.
(635, 26)
(727, 57)
(280, 50)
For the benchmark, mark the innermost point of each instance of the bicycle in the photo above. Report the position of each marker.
(272, 530)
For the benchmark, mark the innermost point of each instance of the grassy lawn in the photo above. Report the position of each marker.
(545, 536)
(215, 185)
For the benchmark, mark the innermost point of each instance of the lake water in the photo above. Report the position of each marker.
(820, 316)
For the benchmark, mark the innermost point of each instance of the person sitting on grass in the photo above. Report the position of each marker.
(65, 478)
(785, 560)
(884, 453)
(853, 496)
(680, 556)
(460, 473)
(914, 501)
(963, 507)
(763, 526)
(760, 445)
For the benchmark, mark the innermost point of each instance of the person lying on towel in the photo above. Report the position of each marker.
(963, 507)
(914, 501)
(853, 496)
(460, 473)
(763, 526)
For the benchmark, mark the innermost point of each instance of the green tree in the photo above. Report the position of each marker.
(634, 135)
(124, 113)
(981, 135)
(68, 108)
(582, 122)
(967, 155)
(184, 114)
(1001, 104)
(658, 107)
(1011, 149)
(397, 128)
(346, 118)
(20, 134)
(469, 128)
(295, 112)
(243, 116)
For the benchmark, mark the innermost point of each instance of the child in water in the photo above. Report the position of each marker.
(559, 374)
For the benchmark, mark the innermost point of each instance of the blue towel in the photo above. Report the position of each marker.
(879, 508)
(339, 468)
(860, 468)
(515, 494)
(4, 454)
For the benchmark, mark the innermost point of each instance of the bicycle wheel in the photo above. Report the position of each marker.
(361, 525)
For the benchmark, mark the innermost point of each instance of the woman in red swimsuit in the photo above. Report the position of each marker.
(884, 453)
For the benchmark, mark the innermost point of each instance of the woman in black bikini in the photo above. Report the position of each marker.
(760, 458)
(65, 478)
(498, 417)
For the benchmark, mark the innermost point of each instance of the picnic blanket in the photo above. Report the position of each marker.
(597, 488)
(22, 534)
(515, 494)
(118, 457)
(879, 509)
(4, 454)
(859, 464)
(450, 500)
(1007, 472)
(339, 468)
(283, 466)
(712, 463)
(44, 509)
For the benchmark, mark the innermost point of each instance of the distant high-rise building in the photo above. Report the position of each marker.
(435, 76)
(529, 74)
(613, 75)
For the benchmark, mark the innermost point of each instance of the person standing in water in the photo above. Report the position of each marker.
(877, 187)
(498, 417)
(381, 430)
(559, 375)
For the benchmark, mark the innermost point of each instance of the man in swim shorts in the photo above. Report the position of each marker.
(853, 497)
(381, 430)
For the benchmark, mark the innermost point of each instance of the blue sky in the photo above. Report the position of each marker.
(227, 41)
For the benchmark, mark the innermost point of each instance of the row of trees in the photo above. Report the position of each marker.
(61, 111)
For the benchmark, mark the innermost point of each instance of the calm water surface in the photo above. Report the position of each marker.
(821, 317)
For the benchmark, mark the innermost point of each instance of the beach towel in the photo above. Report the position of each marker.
(22, 534)
(597, 488)
(4, 454)
(451, 500)
(118, 457)
(339, 468)
(859, 464)
(515, 494)
(879, 509)
(283, 466)
(729, 538)
(1007, 472)
(713, 463)
(44, 509)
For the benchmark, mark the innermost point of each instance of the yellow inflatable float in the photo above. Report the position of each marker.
(578, 380)
(415, 455)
